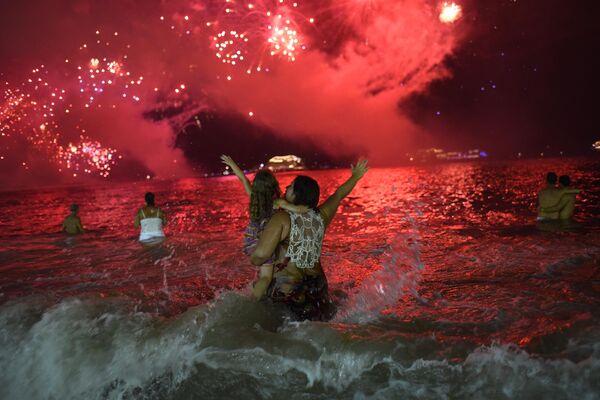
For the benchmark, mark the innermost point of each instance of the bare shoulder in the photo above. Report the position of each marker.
(326, 212)
(280, 217)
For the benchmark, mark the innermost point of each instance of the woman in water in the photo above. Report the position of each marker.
(151, 219)
(298, 277)
(264, 195)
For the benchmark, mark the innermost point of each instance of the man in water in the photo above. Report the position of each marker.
(565, 207)
(72, 223)
(548, 197)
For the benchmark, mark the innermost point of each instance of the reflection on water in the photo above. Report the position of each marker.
(446, 287)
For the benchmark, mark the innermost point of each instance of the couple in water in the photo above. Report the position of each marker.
(284, 238)
(556, 203)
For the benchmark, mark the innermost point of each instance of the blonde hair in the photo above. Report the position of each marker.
(265, 189)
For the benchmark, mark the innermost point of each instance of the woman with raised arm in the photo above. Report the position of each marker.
(297, 277)
(264, 195)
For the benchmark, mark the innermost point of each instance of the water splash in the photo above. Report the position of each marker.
(400, 273)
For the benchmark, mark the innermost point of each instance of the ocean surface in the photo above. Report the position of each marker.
(446, 289)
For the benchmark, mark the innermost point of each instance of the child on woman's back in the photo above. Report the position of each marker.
(264, 195)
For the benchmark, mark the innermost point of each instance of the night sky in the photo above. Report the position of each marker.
(375, 78)
(525, 80)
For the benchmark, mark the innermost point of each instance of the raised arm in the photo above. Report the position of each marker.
(238, 172)
(329, 208)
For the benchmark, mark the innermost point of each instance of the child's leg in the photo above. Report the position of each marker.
(263, 282)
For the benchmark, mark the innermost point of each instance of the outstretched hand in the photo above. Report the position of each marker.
(238, 172)
(360, 169)
(228, 161)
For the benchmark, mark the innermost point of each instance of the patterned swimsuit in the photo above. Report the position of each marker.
(252, 235)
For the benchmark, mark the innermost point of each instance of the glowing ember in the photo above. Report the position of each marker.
(450, 13)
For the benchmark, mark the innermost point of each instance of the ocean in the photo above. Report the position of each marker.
(446, 288)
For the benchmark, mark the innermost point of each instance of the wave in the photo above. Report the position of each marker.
(235, 348)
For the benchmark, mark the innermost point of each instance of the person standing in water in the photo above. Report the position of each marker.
(551, 196)
(264, 195)
(72, 223)
(298, 279)
(565, 207)
(151, 219)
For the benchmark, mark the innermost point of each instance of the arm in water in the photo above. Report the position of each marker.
(285, 205)
(238, 172)
(264, 280)
(79, 226)
(329, 208)
(161, 215)
(137, 219)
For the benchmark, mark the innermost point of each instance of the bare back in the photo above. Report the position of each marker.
(72, 225)
(567, 211)
(548, 197)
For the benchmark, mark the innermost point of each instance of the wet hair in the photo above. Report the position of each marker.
(265, 189)
(149, 199)
(551, 178)
(74, 207)
(306, 191)
(564, 180)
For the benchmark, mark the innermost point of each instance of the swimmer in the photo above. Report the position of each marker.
(72, 223)
(151, 219)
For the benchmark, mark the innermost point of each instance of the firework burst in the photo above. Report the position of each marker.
(450, 12)
(250, 34)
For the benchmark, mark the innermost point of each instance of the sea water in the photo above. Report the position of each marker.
(446, 289)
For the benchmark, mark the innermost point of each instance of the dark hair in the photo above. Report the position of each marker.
(74, 207)
(564, 180)
(551, 178)
(149, 199)
(306, 191)
(265, 189)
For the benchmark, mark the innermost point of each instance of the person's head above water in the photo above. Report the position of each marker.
(265, 189)
(551, 178)
(74, 208)
(564, 180)
(304, 191)
(149, 197)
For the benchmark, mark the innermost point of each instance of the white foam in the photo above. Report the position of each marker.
(101, 349)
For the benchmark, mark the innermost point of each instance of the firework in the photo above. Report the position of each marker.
(450, 12)
(249, 34)
(37, 111)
